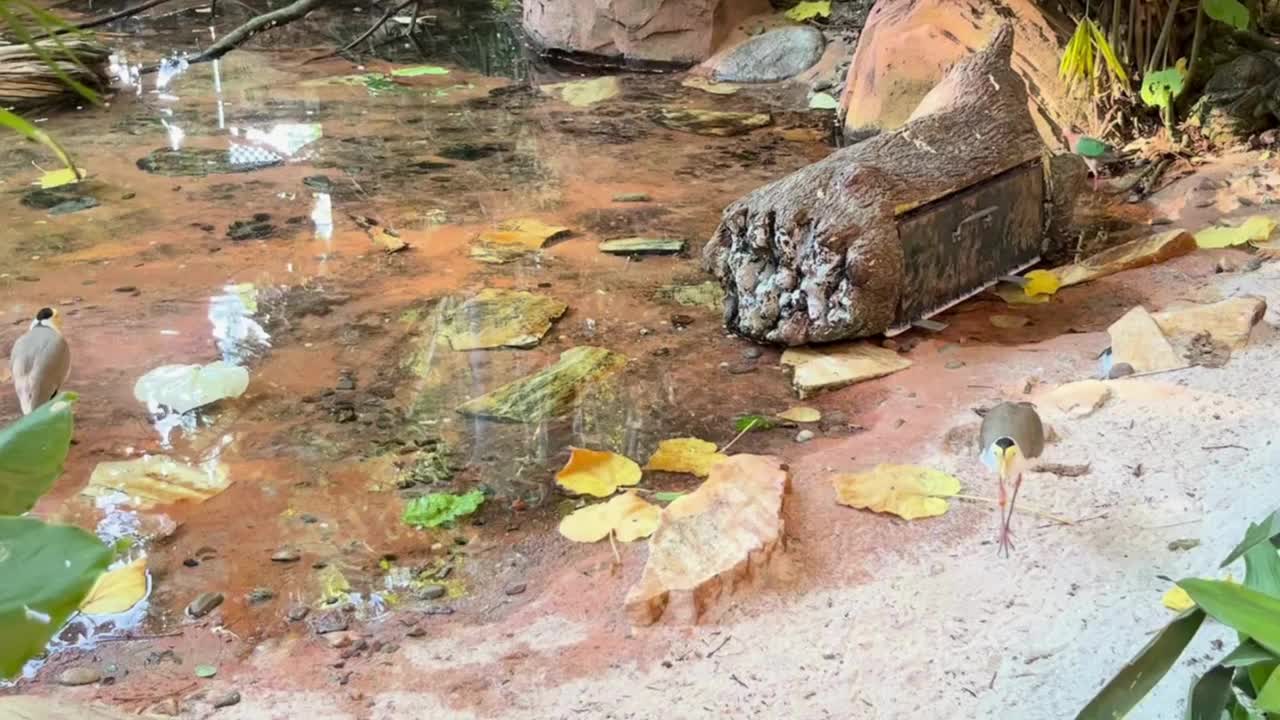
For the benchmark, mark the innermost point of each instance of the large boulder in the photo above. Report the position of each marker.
(772, 56)
(907, 46)
(666, 31)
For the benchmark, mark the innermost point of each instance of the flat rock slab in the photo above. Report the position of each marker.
(551, 392)
(838, 365)
(501, 318)
(1229, 322)
(775, 55)
(198, 162)
(713, 541)
(711, 122)
(1134, 254)
(514, 239)
(1080, 399)
(1136, 339)
(29, 707)
(643, 246)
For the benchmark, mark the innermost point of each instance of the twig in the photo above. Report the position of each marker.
(237, 37)
(1062, 470)
(722, 643)
(374, 28)
(735, 679)
(1020, 508)
(1223, 447)
(617, 558)
(95, 22)
(133, 638)
(750, 424)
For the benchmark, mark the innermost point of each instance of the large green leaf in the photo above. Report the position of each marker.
(32, 451)
(1265, 530)
(1246, 654)
(1247, 611)
(1262, 569)
(31, 132)
(1160, 87)
(1231, 12)
(1142, 673)
(1269, 693)
(47, 571)
(1210, 695)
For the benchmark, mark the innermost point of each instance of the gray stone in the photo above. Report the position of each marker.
(226, 699)
(775, 55)
(204, 604)
(82, 675)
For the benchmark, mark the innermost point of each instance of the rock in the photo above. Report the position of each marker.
(339, 640)
(260, 595)
(822, 255)
(298, 613)
(631, 197)
(329, 621)
(708, 295)
(643, 246)
(752, 353)
(710, 122)
(1229, 321)
(516, 589)
(713, 541)
(1134, 254)
(805, 436)
(226, 699)
(1080, 399)
(1136, 339)
(905, 48)
(551, 392)
(775, 55)
(198, 162)
(514, 239)
(674, 31)
(501, 318)
(432, 592)
(698, 82)
(955, 364)
(1241, 98)
(285, 555)
(43, 707)
(1119, 370)
(80, 675)
(1008, 322)
(204, 604)
(839, 365)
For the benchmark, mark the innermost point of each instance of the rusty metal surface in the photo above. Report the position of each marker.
(956, 246)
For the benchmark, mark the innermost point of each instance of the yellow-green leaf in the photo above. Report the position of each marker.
(60, 177)
(592, 472)
(1256, 229)
(583, 93)
(117, 590)
(810, 9)
(908, 491)
(1041, 282)
(685, 455)
(801, 414)
(627, 515)
(1177, 599)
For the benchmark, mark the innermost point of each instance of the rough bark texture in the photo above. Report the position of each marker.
(679, 31)
(906, 46)
(816, 255)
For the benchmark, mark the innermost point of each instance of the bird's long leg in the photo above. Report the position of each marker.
(1006, 536)
(1002, 549)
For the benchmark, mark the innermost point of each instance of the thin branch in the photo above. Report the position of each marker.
(381, 21)
(95, 22)
(237, 37)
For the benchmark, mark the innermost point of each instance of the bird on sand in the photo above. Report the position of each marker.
(1093, 151)
(40, 361)
(1011, 436)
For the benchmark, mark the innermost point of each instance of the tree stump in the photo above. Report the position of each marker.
(817, 257)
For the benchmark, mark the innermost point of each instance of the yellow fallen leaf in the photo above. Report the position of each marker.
(389, 241)
(685, 455)
(907, 491)
(1256, 229)
(592, 472)
(810, 9)
(628, 515)
(117, 590)
(801, 414)
(1041, 282)
(583, 93)
(58, 178)
(1177, 599)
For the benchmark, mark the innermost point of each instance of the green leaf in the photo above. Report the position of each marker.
(1142, 673)
(1259, 675)
(47, 571)
(809, 9)
(1269, 695)
(31, 132)
(437, 509)
(32, 451)
(1231, 12)
(1108, 54)
(418, 70)
(1210, 695)
(1247, 653)
(753, 423)
(1262, 569)
(1267, 529)
(1159, 88)
(1247, 611)
(667, 497)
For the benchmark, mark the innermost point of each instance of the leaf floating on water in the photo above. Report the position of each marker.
(1041, 282)
(584, 93)
(1256, 229)
(809, 9)
(628, 515)
(908, 491)
(117, 590)
(157, 480)
(753, 423)
(58, 178)
(182, 388)
(438, 509)
(685, 455)
(596, 472)
(704, 84)
(419, 70)
(801, 414)
(551, 392)
(823, 101)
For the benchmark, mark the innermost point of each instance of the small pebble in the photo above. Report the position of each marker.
(82, 675)
(632, 197)
(204, 604)
(126, 289)
(752, 353)
(890, 344)
(516, 589)
(1119, 370)
(298, 613)
(432, 592)
(226, 699)
(285, 555)
(741, 368)
(955, 364)
(257, 596)
(416, 631)
(804, 436)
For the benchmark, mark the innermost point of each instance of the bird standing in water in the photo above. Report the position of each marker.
(1011, 435)
(1094, 152)
(40, 361)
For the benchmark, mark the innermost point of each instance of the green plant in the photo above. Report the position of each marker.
(1079, 64)
(1245, 683)
(47, 569)
(1161, 88)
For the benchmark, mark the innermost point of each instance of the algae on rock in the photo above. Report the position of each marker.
(551, 392)
(501, 318)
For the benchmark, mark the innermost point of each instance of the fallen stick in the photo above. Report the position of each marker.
(112, 17)
(242, 34)
(374, 28)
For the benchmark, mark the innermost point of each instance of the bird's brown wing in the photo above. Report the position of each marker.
(40, 362)
(1019, 421)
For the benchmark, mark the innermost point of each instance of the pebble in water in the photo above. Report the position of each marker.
(204, 604)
